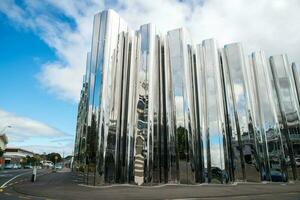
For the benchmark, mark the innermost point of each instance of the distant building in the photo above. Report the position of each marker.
(15, 155)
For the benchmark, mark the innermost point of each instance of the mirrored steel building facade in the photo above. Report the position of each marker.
(156, 108)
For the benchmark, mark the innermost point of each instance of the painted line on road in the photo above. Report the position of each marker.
(4, 185)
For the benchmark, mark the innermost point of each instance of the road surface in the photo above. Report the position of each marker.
(9, 178)
(67, 185)
(6, 175)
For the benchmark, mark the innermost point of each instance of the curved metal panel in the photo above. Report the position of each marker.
(214, 132)
(288, 108)
(156, 109)
(243, 138)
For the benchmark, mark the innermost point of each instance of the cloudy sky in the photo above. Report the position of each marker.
(43, 45)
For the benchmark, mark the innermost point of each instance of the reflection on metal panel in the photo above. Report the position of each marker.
(156, 109)
(242, 138)
(182, 100)
(144, 94)
(213, 127)
(288, 108)
(267, 119)
(296, 75)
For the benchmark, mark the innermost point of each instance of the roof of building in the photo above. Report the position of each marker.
(13, 149)
(4, 138)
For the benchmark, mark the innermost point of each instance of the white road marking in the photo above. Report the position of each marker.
(4, 185)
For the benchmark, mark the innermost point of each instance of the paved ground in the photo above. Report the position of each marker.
(6, 175)
(66, 185)
(9, 178)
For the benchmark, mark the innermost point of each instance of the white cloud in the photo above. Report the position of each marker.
(69, 38)
(272, 26)
(267, 25)
(23, 127)
(26, 132)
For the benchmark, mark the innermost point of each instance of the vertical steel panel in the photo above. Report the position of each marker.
(268, 127)
(289, 109)
(94, 73)
(163, 137)
(182, 100)
(213, 114)
(201, 102)
(197, 140)
(294, 137)
(172, 157)
(192, 116)
(145, 98)
(104, 52)
(242, 138)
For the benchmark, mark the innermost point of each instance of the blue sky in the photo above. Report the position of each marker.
(43, 46)
(23, 94)
(22, 54)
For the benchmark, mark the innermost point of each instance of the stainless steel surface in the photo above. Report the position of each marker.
(155, 108)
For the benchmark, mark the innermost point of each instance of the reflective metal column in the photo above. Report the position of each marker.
(267, 127)
(242, 136)
(201, 113)
(211, 99)
(172, 148)
(133, 62)
(105, 52)
(146, 106)
(289, 109)
(180, 79)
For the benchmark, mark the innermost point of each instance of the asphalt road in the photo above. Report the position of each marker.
(8, 178)
(66, 185)
(6, 175)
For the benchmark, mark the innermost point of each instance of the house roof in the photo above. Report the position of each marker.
(13, 149)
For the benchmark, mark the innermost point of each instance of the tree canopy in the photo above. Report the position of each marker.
(51, 157)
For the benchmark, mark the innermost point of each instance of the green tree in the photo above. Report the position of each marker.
(51, 157)
(181, 142)
(34, 160)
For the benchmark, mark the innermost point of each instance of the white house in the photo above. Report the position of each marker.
(15, 155)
